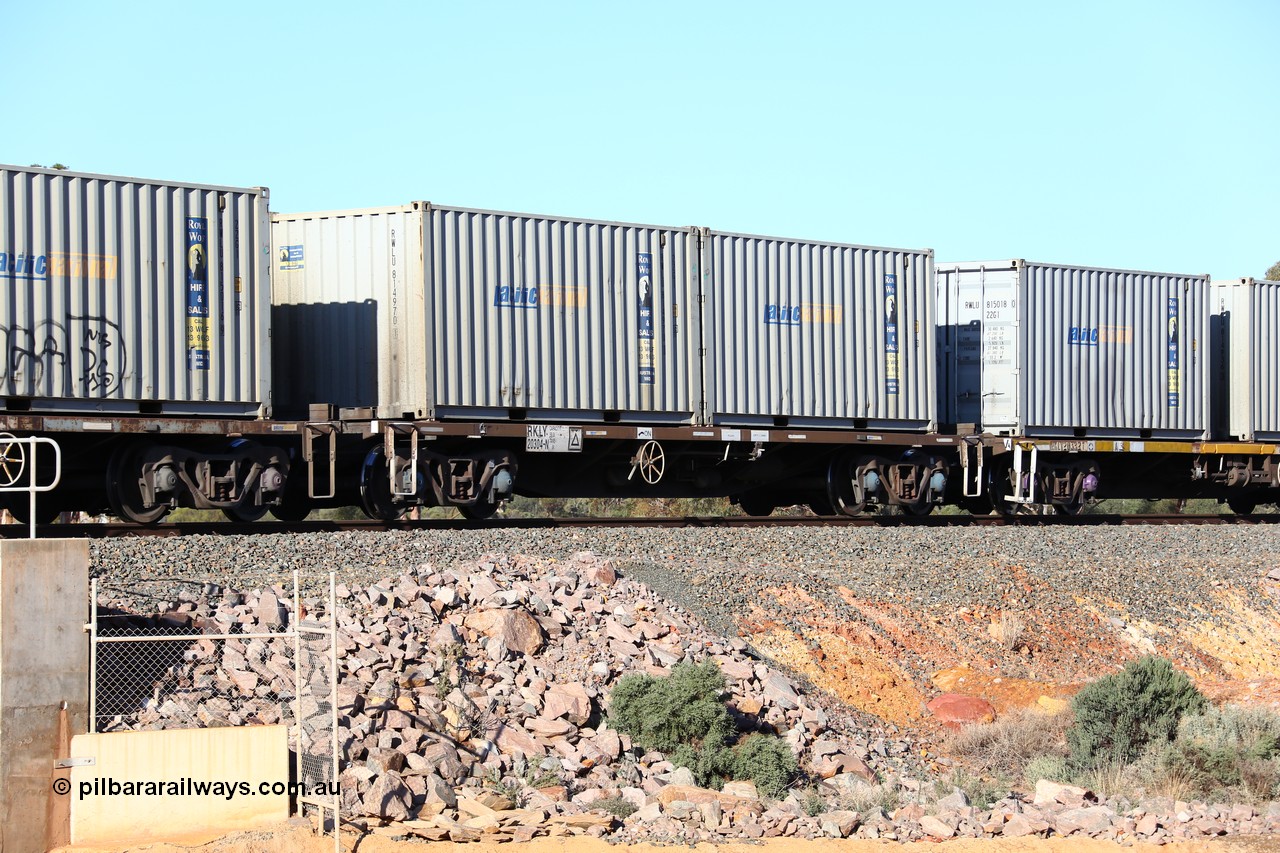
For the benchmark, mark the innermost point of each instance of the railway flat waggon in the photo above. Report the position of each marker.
(591, 334)
(180, 346)
(1087, 383)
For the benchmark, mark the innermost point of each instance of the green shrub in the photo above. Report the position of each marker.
(684, 715)
(617, 806)
(711, 761)
(1227, 753)
(767, 761)
(1119, 715)
(812, 802)
(1051, 767)
(764, 759)
(684, 708)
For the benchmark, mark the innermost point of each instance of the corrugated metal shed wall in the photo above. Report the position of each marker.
(541, 314)
(807, 331)
(349, 310)
(1114, 352)
(94, 294)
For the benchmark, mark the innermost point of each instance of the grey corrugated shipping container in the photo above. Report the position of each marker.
(1246, 378)
(125, 296)
(818, 334)
(1066, 351)
(425, 311)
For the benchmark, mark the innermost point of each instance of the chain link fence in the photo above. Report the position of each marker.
(174, 653)
(171, 653)
(316, 655)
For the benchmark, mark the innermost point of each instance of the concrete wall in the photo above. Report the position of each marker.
(44, 662)
(166, 770)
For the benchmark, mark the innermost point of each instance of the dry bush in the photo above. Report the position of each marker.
(1224, 754)
(1051, 767)
(1009, 631)
(1125, 781)
(1008, 744)
(885, 795)
(983, 792)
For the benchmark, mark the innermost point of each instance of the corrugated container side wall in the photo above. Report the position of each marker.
(560, 318)
(348, 310)
(964, 336)
(820, 334)
(1247, 372)
(1114, 352)
(116, 292)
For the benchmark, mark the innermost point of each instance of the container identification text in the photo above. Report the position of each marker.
(546, 438)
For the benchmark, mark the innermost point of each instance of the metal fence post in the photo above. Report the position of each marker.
(93, 656)
(333, 703)
(294, 627)
(31, 495)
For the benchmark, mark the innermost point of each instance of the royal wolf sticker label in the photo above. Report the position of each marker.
(291, 258)
(197, 293)
(890, 333)
(644, 330)
(1171, 351)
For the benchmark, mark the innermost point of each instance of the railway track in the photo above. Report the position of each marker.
(227, 528)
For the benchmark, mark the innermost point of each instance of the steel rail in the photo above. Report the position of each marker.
(228, 528)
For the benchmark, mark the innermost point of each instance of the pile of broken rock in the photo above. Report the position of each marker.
(473, 703)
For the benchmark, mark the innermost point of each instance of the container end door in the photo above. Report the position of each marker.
(999, 307)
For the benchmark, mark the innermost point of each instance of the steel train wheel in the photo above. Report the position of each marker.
(1242, 505)
(123, 492)
(245, 513)
(478, 511)
(47, 511)
(13, 460)
(822, 506)
(1001, 489)
(291, 510)
(841, 491)
(375, 490)
(755, 504)
(1073, 508)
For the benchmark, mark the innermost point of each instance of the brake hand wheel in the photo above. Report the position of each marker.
(650, 461)
(13, 460)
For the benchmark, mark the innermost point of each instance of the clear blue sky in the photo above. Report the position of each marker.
(1131, 134)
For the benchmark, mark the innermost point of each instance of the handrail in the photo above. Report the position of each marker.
(29, 467)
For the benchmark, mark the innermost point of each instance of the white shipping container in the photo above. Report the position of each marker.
(818, 334)
(1247, 359)
(452, 313)
(1048, 350)
(348, 311)
(129, 296)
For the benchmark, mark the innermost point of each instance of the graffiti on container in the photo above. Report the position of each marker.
(49, 351)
